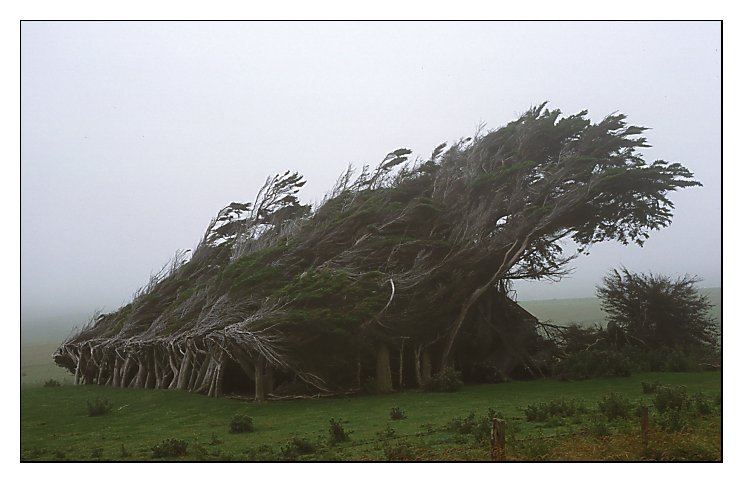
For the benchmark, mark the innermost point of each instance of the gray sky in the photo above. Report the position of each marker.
(135, 134)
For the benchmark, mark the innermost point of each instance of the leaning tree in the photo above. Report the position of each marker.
(410, 261)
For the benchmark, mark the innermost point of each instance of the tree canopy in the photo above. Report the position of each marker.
(413, 253)
(657, 310)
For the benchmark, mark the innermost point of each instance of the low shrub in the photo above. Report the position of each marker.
(169, 448)
(387, 433)
(52, 383)
(599, 427)
(400, 451)
(396, 414)
(670, 398)
(672, 420)
(448, 380)
(262, 452)
(296, 447)
(338, 433)
(96, 453)
(561, 408)
(240, 423)
(649, 387)
(99, 407)
(593, 363)
(615, 406)
(700, 404)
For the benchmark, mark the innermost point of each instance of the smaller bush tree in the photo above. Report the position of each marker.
(169, 448)
(396, 414)
(51, 383)
(241, 423)
(99, 407)
(615, 406)
(670, 398)
(338, 433)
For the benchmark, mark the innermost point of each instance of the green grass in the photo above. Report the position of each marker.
(587, 311)
(55, 424)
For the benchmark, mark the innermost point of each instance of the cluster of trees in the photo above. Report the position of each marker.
(654, 323)
(402, 271)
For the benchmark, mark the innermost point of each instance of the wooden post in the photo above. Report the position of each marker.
(498, 440)
(644, 424)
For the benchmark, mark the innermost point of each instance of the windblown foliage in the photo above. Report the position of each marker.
(413, 257)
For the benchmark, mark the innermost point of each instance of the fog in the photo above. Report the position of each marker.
(135, 134)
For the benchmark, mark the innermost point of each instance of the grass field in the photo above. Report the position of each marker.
(55, 424)
(587, 311)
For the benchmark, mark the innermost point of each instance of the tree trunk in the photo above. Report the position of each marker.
(400, 365)
(512, 255)
(384, 372)
(269, 379)
(184, 372)
(357, 376)
(260, 390)
(426, 366)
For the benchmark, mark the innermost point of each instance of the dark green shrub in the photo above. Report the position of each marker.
(263, 452)
(593, 363)
(615, 406)
(241, 423)
(462, 425)
(59, 454)
(387, 433)
(599, 427)
(400, 451)
(700, 404)
(337, 432)
(52, 383)
(124, 453)
(98, 407)
(96, 453)
(169, 448)
(296, 447)
(649, 387)
(540, 412)
(670, 398)
(396, 414)
(672, 420)
(448, 380)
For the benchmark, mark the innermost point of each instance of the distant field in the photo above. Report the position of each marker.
(55, 425)
(587, 311)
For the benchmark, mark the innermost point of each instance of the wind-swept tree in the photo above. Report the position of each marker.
(412, 259)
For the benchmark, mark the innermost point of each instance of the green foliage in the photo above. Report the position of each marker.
(337, 432)
(396, 414)
(296, 447)
(169, 448)
(52, 383)
(447, 380)
(240, 423)
(669, 398)
(594, 363)
(658, 310)
(650, 387)
(615, 406)
(399, 451)
(387, 433)
(98, 407)
(673, 420)
(561, 408)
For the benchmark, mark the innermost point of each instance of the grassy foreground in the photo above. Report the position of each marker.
(55, 424)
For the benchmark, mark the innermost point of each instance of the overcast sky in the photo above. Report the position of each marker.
(135, 134)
